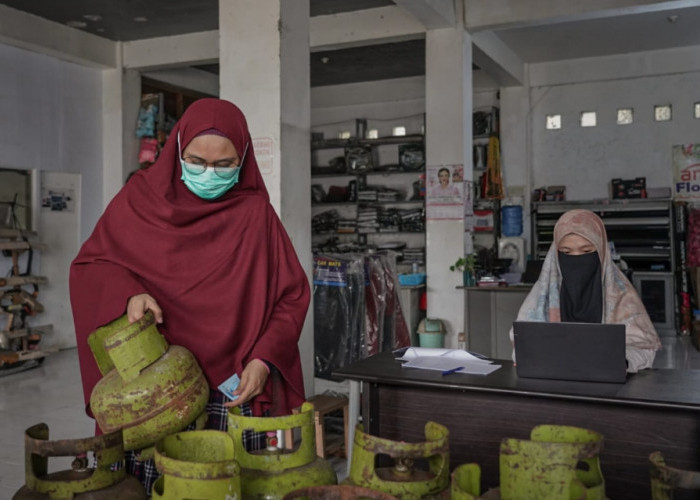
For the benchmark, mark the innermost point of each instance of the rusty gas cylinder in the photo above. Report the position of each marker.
(273, 472)
(403, 479)
(80, 483)
(149, 389)
(338, 492)
(196, 464)
(558, 462)
(466, 482)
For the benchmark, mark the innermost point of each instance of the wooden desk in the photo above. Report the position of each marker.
(656, 410)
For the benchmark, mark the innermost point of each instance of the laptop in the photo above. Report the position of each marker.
(583, 352)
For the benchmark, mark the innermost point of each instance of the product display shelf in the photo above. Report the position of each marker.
(641, 230)
(19, 341)
(383, 171)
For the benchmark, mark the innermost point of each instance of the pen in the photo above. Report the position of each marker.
(452, 370)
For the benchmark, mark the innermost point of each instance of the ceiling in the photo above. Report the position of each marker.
(628, 32)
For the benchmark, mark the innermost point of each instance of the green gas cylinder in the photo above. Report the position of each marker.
(338, 492)
(149, 389)
(273, 472)
(196, 464)
(465, 482)
(80, 483)
(557, 463)
(402, 480)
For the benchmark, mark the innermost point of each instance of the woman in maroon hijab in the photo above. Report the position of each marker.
(194, 239)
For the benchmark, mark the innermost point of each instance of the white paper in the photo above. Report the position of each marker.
(459, 354)
(433, 358)
(446, 363)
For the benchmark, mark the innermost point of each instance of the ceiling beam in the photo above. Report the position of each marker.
(481, 15)
(433, 14)
(187, 78)
(497, 59)
(170, 51)
(34, 33)
(364, 27)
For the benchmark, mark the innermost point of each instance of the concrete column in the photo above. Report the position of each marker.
(121, 97)
(448, 103)
(264, 61)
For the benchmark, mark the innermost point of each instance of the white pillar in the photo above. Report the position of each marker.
(121, 97)
(448, 99)
(264, 61)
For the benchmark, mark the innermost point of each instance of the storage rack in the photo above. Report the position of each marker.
(380, 169)
(19, 342)
(641, 229)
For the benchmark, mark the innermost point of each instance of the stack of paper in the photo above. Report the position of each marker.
(448, 361)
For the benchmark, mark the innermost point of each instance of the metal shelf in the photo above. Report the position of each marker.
(352, 142)
(642, 230)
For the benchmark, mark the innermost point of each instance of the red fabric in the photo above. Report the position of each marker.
(224, 271)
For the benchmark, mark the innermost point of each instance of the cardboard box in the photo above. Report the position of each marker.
(628, 188)
(483, 220)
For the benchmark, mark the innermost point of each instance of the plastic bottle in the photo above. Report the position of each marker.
(512, 220)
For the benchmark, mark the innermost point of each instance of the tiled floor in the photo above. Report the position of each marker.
(52, 394)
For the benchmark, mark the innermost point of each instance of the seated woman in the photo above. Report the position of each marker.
(580, 283)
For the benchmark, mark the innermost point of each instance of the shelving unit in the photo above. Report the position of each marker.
(642, 230)
(380, 165)
(486, 124)
(20, 342)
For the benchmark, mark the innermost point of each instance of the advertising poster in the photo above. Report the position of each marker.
(445, 192)
(686, 172)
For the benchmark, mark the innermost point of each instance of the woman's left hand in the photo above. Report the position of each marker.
(253, 381)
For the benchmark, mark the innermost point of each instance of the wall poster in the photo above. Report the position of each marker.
(445, 192)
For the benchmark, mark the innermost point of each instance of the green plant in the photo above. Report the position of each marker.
(466, 263)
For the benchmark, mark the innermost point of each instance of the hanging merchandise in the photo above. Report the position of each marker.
(494, 181)
(339, 298)
(480, 153)
(357, 310)
(148, 114)
(383, 313)
(148, 151)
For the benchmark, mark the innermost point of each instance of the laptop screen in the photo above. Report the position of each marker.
(586, 352)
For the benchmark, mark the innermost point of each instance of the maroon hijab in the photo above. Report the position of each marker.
(224, 271)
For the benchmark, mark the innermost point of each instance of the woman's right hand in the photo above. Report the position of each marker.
(137, 306)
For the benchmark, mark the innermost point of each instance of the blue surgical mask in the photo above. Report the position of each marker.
(208, 184)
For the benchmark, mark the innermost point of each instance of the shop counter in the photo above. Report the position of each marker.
(655, 410)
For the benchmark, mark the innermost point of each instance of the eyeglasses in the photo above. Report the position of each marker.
(222, 168)
(225, 169)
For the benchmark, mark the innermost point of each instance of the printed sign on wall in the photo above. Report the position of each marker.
(686, 172)
(264, 153)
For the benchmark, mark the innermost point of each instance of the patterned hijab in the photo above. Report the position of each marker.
(621, 304)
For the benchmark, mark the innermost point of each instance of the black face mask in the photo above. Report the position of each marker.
(581, 295)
